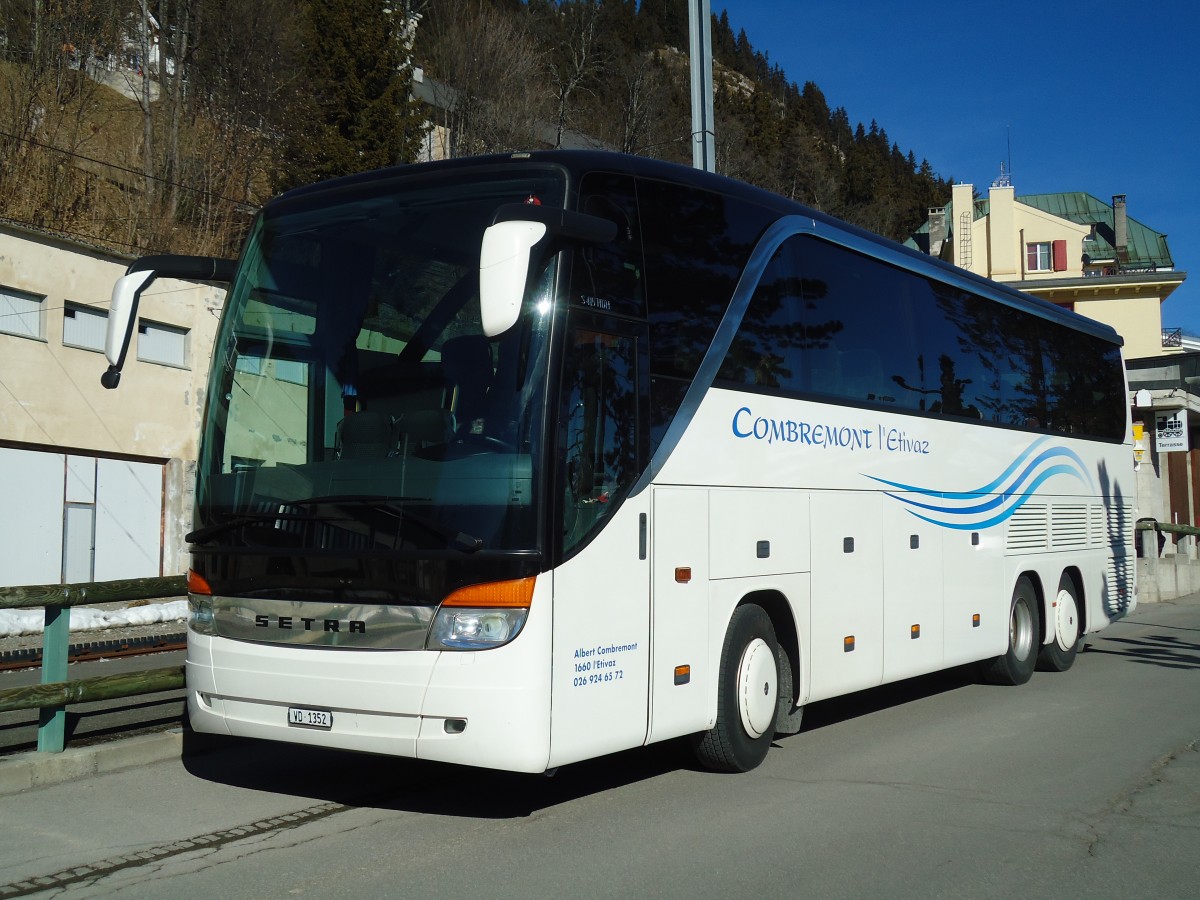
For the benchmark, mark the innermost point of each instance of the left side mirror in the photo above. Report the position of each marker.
(128, 290)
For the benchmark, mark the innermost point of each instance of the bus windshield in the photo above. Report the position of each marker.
(355, 403)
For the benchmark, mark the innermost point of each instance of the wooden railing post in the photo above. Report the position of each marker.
(51, 697)
(52, 720)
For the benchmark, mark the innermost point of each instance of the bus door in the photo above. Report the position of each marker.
(682, 676)
(601, 589)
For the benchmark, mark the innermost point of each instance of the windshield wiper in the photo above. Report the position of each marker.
(208, 532)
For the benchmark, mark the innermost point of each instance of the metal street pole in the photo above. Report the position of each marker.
(700, 46)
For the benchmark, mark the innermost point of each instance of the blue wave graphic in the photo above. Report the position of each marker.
(999, 498)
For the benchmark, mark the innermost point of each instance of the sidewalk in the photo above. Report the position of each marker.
(24, 771)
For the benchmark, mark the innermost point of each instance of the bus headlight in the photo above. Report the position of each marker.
(474, 629)
(481, 616)
(200, 614)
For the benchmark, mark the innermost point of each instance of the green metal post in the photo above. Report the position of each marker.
(52, 720)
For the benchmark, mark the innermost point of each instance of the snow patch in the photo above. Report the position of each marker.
(14, 622)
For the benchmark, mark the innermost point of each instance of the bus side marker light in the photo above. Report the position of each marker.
(848, 545)
(683, 674)
(848, 644)
(915, 632)
(683, 574)
(975, 620)
(763, 549)
(974, 538)
(914, 542)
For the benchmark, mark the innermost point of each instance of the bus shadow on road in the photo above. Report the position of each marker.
(408, 785)
(1165, 650)
(380, 782)
(898, 693)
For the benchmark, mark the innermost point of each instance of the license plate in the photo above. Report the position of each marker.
(310, 718)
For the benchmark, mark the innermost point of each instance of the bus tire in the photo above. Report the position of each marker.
(1016, 665)
(747, 695)
(1059, 654)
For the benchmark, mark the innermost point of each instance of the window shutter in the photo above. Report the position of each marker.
(1060, 256)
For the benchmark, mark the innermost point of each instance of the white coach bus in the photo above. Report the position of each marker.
(517, 461)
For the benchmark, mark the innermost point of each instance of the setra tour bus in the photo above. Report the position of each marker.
(519, 460)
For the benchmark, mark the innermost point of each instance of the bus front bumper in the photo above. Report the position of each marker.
(485, 708)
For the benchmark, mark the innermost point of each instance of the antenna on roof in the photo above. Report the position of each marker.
(1008, 135)
(1005, 179)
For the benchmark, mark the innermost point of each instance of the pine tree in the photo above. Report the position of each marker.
(354, 111)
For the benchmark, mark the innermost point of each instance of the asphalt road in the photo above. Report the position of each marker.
(1080, 784)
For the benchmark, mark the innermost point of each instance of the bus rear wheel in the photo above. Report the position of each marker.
(1059, 654)
(747, 695)
(1016, 665)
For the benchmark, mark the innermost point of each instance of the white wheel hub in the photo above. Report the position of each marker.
(1066, 621)
(757, 687)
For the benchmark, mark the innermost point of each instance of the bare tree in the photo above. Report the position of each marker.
(490, 71)
(578, 62)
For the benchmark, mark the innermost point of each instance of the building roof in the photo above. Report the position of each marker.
(1147, 248)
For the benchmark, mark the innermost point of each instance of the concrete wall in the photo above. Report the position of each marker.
(53, 394)
(52, 401)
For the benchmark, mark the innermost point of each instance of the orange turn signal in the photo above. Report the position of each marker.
(196, 583)
(509, 594)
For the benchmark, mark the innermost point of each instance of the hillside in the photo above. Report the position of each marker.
(256, 99)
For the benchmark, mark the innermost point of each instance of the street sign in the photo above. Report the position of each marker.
(1170, 431)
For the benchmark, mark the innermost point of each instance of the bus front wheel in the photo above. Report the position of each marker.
(1059, 654)
(747, 695)
(1024, 636)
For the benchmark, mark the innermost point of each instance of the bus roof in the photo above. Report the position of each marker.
(577, 162)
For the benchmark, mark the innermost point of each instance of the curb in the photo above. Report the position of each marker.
(25, 771)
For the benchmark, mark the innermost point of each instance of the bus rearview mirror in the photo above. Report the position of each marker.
(503, 270)
(504, 254)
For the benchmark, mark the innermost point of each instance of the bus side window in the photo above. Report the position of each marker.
(599, 419)
(610, 277)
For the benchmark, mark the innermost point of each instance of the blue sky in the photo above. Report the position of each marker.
(1102, 97)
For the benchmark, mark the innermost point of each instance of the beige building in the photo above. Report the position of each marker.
(97, 484)
(1093, 257)
(1071, 249)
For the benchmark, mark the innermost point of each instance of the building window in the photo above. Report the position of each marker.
(1039, 257)
(22, 314)
(84, 327)
(164, 344)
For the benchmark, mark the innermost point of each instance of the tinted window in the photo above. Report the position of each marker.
(599, 428)
(823, 322)
(609, 277)
(696, 246)
(826, 321)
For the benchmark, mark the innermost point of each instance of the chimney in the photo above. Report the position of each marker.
(1120, 227)
(937, 230)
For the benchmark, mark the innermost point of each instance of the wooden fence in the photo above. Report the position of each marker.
(55, 691)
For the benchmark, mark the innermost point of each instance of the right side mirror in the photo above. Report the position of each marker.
(503, 271)
(505, 251)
